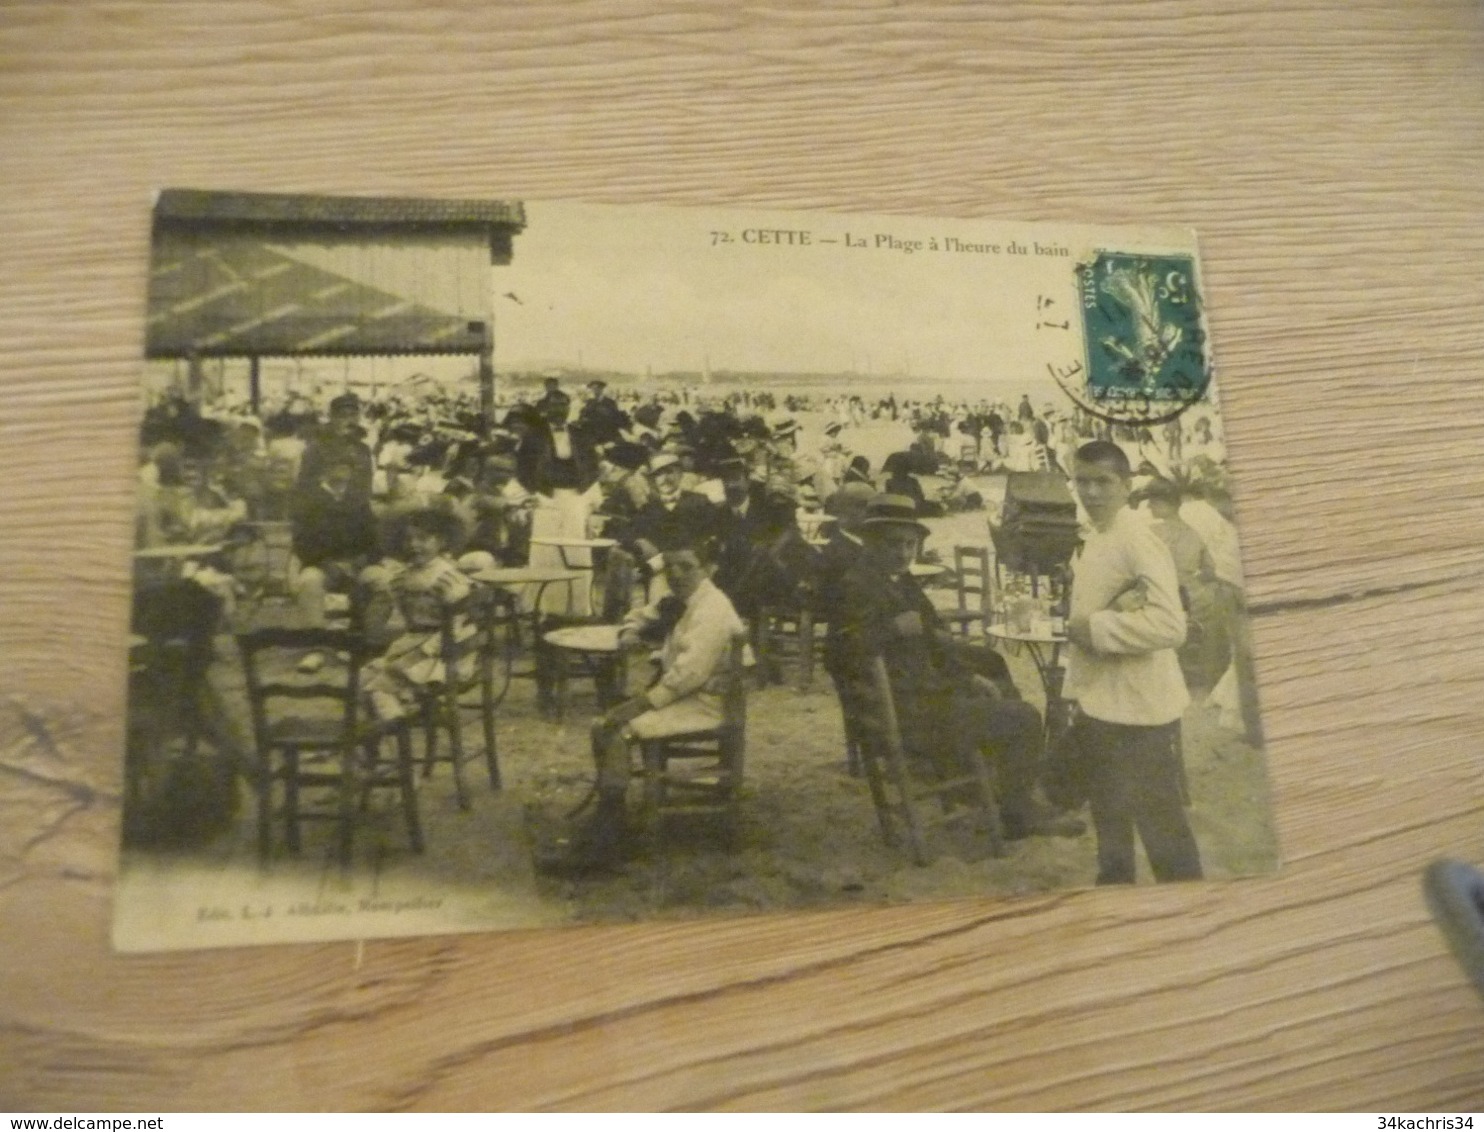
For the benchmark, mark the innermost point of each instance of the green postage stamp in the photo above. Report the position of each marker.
(1141, 316)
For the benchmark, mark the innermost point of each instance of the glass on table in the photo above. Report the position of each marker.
(1022, 614)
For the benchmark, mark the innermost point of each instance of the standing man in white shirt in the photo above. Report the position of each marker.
(1124, 626)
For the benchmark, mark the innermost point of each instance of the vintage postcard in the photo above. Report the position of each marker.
(506, 564)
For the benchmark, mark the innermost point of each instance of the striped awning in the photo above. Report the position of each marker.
(284, 274)
(245, 297)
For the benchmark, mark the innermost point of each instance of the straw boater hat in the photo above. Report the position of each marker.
(661, 460)
(891, 511)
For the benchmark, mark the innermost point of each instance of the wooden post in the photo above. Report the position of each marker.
(487, 376)
(194, 379)
(255, 384)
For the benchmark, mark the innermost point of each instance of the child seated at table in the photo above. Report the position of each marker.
(418, 590)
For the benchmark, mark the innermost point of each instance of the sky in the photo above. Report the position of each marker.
(636, 289)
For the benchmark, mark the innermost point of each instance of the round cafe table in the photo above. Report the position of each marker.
(564, 544)
(511, 577)
(585, 638)
(538, 576)
(595, 647)
(592, 561)
(1044, 647)
(926, 569)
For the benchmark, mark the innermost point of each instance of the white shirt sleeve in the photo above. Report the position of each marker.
(695, 650)
(1160, 624)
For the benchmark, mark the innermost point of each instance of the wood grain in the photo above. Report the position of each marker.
(1331, 156)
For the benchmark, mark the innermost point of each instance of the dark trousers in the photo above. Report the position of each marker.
(1137, 782)
(952, 729)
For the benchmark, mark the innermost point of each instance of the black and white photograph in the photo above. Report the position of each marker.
(506, 564)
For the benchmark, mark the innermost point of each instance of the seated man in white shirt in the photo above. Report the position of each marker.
(697, 624)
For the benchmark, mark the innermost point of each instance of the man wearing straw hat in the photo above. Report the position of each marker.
(954, 701)
(670, 518)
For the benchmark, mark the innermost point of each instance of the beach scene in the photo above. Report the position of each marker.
(666, 339)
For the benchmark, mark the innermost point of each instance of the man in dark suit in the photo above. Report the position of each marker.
(339, 440)
(954, 701)
(551, 394)
(740, 522)
(839, 554)
(600, 416)
(553, 457)
(669, 519)
(765, 561)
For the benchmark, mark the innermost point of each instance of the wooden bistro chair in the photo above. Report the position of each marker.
(852, 727)
(899, 794)
(324, 741)
(971, 565)
(700, 772)
(475, 645)
(786, 636)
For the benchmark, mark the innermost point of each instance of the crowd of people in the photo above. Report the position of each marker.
(719, 515)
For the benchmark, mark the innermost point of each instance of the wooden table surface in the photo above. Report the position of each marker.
(1331, 155)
